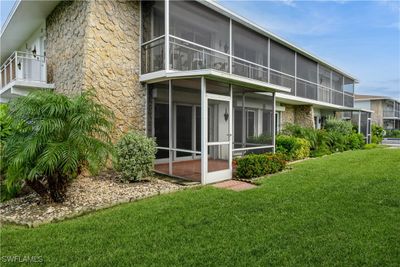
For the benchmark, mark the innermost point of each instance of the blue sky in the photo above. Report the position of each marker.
(360, 37)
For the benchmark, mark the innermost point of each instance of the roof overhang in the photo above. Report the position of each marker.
(214, 75)
(25, 17)
(295, 100)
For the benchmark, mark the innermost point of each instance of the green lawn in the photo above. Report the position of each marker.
(340, 210)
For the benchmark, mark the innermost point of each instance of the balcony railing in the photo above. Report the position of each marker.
(389, 113)
(22, 66)
(185, 55)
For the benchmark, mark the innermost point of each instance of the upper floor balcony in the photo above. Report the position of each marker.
(21, 73)
(192, 36)
(391, 109)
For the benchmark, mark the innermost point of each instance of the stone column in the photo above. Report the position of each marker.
(304, 116)
(95, 44)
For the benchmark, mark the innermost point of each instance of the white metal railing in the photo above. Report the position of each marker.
(186, 55)
(22, 66)
(388, 113)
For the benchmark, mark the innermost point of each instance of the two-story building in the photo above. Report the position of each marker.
(386, 110)
(208, 84)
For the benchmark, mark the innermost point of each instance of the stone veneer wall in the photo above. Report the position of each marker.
(95, 44)
(377, 115)
(301, 115)
(287, 116)
(304, 116)
(66, 30)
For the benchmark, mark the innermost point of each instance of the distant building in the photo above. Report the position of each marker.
(386, 110)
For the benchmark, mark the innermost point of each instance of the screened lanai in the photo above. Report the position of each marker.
(201, 124)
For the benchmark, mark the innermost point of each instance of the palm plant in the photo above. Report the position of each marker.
(59, 136)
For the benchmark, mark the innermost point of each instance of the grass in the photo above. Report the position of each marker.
(341, 210)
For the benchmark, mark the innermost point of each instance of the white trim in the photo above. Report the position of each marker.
(170, 125)
(212, 74)
(204, 124)
(251, 148)
(166, 33)
(152, 40)
(274, 121)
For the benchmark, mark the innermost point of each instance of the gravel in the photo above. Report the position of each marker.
(84, 194)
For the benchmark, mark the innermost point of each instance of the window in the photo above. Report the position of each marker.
(348, 85)
(337, 81)
(152, 20)
(282, 58)
(196, 23)
(251, 123)
(324, 76)
(249, 45)
(306, 69)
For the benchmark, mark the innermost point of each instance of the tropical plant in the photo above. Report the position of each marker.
(340, 126)
(293, 147)
(58, 137)
(135, 155)
(377, 134)
(5, 123)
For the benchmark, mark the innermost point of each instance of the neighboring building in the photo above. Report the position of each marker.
(386, 110)
(208, 84)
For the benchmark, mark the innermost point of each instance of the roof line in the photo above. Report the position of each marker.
(220, 9)
(10, 15)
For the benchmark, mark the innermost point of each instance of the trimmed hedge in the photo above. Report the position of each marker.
(294, 148)
(135, 154)
(257, 165)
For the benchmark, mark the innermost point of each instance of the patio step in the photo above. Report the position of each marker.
(234, 185)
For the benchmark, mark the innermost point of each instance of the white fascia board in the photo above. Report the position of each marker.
(220, 9)
(25, 18)
(215, 75)
(377, 99)
(305, 101)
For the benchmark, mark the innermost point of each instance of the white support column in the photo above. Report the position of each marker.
(343, 91)
(244, 121)
(230, 47)
(166, 41)
(170, 133)
(359, 121)
(295, 73)
(273, 121)
(204, 130)
(230, 128)
(330, 91)
(269, 60)
(317, 81)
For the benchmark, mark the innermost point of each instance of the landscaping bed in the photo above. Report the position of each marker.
(83, 195)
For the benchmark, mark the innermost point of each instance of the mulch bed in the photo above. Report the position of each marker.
(84, 194)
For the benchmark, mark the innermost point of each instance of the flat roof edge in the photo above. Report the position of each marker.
(162, 75)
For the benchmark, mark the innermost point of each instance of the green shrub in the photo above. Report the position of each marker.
(370, 146)
(339, 126)
(293, 147)
(355, 141)
(377, 134)
(322, 150)
(393, 133)
(257, 165)
(135, 155)
(5, 123)
(56, 137)
(261, 139)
